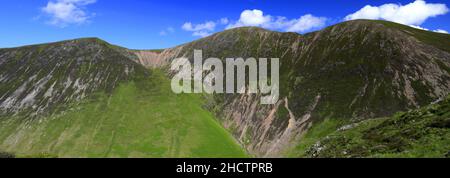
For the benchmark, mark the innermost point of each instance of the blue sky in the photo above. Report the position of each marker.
(155, 24)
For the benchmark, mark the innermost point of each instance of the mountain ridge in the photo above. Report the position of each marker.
(30, 75)
(351, 71)
(385, 68)
(388, 24)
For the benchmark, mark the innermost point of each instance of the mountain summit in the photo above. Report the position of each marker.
(38, 79)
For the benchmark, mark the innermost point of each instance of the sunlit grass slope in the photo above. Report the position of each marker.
(141, 119)
(420, 133)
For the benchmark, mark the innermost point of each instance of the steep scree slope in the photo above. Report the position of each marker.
(39, 79)
(354, 70)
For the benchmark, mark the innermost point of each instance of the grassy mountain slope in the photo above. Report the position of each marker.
(423, 132)
(140, 119)
(87, 98)
(439, 40)
(354, 70)
(40, 79)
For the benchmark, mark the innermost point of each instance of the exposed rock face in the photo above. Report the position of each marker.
(357, 70)
(41, 78)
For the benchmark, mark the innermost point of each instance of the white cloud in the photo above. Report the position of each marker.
(167, 31)
(426, 29)
(207, 26)
(251, 18)
(66, 12)
(440, 31)
(201, 33)
(224, 21)
(305, 23)
(254, 18)
(257, 18)
(201, 30)
(419, 27)
(414, 13)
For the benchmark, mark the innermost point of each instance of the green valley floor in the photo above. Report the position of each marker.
(140, 119)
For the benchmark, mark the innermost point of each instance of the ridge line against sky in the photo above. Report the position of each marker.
(160, 24)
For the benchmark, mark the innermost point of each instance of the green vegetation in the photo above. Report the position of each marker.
(38, 155)
(318, 131)
(418, 133)
(143, 118)
(358, 69)
(439, 40)
(6, 155)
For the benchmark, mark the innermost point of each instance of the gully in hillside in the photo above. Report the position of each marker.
(213, 82)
